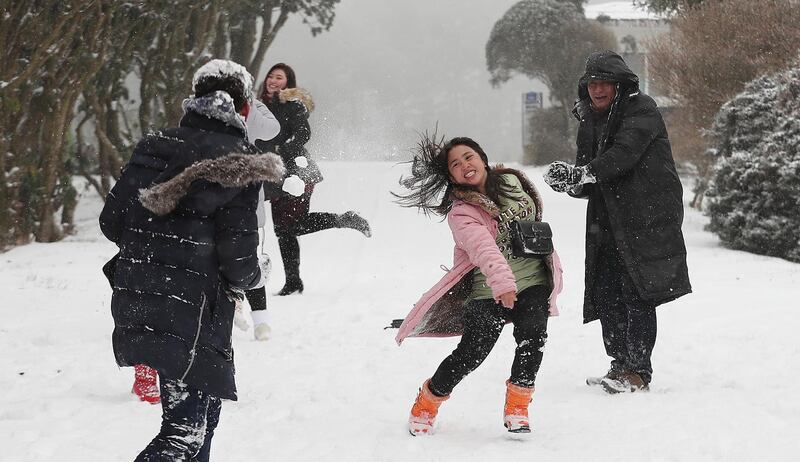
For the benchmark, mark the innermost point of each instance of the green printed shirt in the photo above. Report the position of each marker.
(528, 272)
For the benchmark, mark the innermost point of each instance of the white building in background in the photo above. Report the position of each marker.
(634, 28)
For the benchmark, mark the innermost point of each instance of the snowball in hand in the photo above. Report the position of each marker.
(294, 185)
(301, 161)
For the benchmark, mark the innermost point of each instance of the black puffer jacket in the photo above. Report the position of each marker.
(170, 304)
(292, 107)
(638, 191)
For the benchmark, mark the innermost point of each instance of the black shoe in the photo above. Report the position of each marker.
(354, 221)
(292, 286)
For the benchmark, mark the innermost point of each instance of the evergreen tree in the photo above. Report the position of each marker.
(754, 196)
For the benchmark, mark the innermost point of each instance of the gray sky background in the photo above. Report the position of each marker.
(389, 69)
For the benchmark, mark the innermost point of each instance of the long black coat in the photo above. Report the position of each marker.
(292, 107)
(170, 306)
(637, 189)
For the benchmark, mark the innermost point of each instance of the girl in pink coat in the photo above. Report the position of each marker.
(487, 286)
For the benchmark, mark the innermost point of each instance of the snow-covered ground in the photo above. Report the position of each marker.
(333, 385)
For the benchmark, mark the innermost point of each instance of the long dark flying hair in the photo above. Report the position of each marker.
(429, 186)
(291, 80)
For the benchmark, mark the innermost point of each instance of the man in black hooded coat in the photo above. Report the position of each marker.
(635, 252)
(183, 214)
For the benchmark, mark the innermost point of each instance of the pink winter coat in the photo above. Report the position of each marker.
(440, 311)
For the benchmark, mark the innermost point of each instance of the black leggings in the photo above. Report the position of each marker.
(257, 298)
(483, 321)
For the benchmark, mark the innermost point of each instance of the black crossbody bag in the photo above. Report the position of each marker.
(531, 238)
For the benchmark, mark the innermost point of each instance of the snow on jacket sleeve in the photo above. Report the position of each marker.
(637, 130)
(475, 238)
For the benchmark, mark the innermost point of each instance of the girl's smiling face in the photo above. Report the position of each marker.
(466, 167)
(276, 81)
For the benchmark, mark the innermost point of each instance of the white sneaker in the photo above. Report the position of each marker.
(239, 320)
(261, 321)
(262, 332)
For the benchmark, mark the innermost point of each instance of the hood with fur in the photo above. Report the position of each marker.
(300, 95)
(232, 170)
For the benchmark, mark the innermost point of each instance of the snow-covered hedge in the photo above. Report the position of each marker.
(754, 196)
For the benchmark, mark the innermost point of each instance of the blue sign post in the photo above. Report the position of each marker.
(531, 101)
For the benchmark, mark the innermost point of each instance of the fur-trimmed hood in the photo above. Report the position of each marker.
(300, 95)
(232, 170)
(478, 199)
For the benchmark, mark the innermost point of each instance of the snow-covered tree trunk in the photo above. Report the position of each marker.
(56, 47)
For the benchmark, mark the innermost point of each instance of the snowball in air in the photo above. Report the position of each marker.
(294, 185)
(301, 161)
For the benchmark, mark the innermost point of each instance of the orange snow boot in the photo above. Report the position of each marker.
(515, 416)
(423, 413)
(144, 385)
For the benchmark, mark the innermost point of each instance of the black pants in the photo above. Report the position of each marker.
(629, 323)
(189, 417)
(483, 321)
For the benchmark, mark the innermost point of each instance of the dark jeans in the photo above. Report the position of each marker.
(189, 417)
(629, 323)
(483, 321)
(291, 218)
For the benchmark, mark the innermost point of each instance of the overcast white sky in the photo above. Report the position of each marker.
(389, 69)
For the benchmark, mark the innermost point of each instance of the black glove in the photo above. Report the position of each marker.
(562, 176)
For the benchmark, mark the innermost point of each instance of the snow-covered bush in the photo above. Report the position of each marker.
(754, 196)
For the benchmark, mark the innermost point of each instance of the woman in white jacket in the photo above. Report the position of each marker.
(261, 125)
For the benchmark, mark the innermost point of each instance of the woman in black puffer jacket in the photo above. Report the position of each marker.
(290, 212)
(183, 214)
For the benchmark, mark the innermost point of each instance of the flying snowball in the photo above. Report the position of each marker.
(294, 185)
(301, 161)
